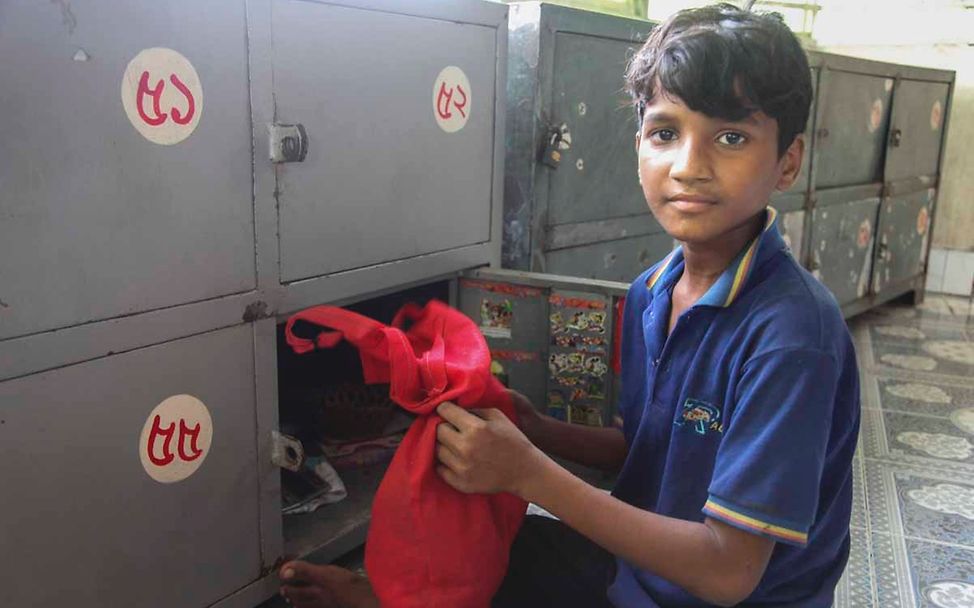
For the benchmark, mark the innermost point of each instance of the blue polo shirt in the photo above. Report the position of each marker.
(748, 412)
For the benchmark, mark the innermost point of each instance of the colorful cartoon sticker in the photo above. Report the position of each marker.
(586, 415)
(452, 99)
(864, 234)
(514, 355)
(176, 439)
(923, 221)
(495, 318)
(509, 289)
(162, 95)
(875, 115)
(567, 302)
(936, 115)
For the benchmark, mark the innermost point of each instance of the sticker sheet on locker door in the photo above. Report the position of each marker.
(363, 195)
(125, 490)
(117, 205)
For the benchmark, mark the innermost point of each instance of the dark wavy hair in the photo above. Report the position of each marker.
(726, 63)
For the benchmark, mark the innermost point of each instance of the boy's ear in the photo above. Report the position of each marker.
(791, 163)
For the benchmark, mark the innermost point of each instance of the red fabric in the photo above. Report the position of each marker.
(428, 545)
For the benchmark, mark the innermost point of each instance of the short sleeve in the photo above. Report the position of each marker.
(769, 465)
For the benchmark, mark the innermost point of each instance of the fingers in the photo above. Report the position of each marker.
(451, 478)
(447, 457)
(449, 436)
(489, 414)
(457, 416)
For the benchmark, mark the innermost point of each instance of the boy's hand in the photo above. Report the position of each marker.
(481, 451)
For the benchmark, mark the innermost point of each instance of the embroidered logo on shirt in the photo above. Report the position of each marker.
(701, 417)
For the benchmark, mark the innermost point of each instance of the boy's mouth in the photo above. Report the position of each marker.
(691, 203)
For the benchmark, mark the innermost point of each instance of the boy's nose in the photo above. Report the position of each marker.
(690, 163)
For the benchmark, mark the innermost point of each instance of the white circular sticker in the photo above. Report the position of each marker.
(452, 99)
(176, 439)
(936, 115)
(875, 115)
(162, 96)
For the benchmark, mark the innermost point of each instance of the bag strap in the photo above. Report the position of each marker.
(350, 326)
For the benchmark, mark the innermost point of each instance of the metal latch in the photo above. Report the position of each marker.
(895, 138)
(288, 143)
(558, 140)
(286, 451)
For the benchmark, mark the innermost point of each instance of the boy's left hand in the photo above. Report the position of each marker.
(483, 452)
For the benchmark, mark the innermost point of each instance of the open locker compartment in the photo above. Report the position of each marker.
(324, 405)
(551, 338)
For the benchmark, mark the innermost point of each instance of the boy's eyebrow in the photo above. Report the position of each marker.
(662, 116)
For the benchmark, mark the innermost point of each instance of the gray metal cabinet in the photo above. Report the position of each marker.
(901, 251)
(852, 122)
(97, 218)
(80, 503)
(566, 81)
(919, 112)
(383, 179)
(843, 228)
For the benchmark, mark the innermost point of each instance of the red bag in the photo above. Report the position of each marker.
(428, 545)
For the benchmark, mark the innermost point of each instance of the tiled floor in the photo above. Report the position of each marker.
(913, 517)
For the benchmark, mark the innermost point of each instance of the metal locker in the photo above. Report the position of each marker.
(399, 115)
(919, 110)
(614, 260)
(852, 122)
(126, 147)
(792, 228)
(842, 233)
(901, 250)
(567, 107)
(97, 509)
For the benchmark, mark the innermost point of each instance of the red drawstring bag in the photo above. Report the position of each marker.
(429, 545)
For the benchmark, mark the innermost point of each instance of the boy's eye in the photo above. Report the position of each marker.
(663, 135)
(732, 139)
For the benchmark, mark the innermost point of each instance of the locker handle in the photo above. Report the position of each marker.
(288, 143)
(895, 138)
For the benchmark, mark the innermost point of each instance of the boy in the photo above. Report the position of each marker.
(740, 396)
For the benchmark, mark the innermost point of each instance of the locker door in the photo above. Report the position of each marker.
(919, 111)
(841, 243)
(131, 480)
(903, 231)
(851, 135)
(119, 198)
(386, 176)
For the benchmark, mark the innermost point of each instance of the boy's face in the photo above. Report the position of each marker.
(704, 177)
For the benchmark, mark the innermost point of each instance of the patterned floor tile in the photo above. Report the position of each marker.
(939, 357)
(857, 588)
(894, 394)
(942, 575)
(920, 440)
(921, 503)
(915, 334)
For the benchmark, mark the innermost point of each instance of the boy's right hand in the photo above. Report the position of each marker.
(530, 420)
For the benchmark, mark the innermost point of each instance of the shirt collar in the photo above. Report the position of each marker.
(731, 282)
